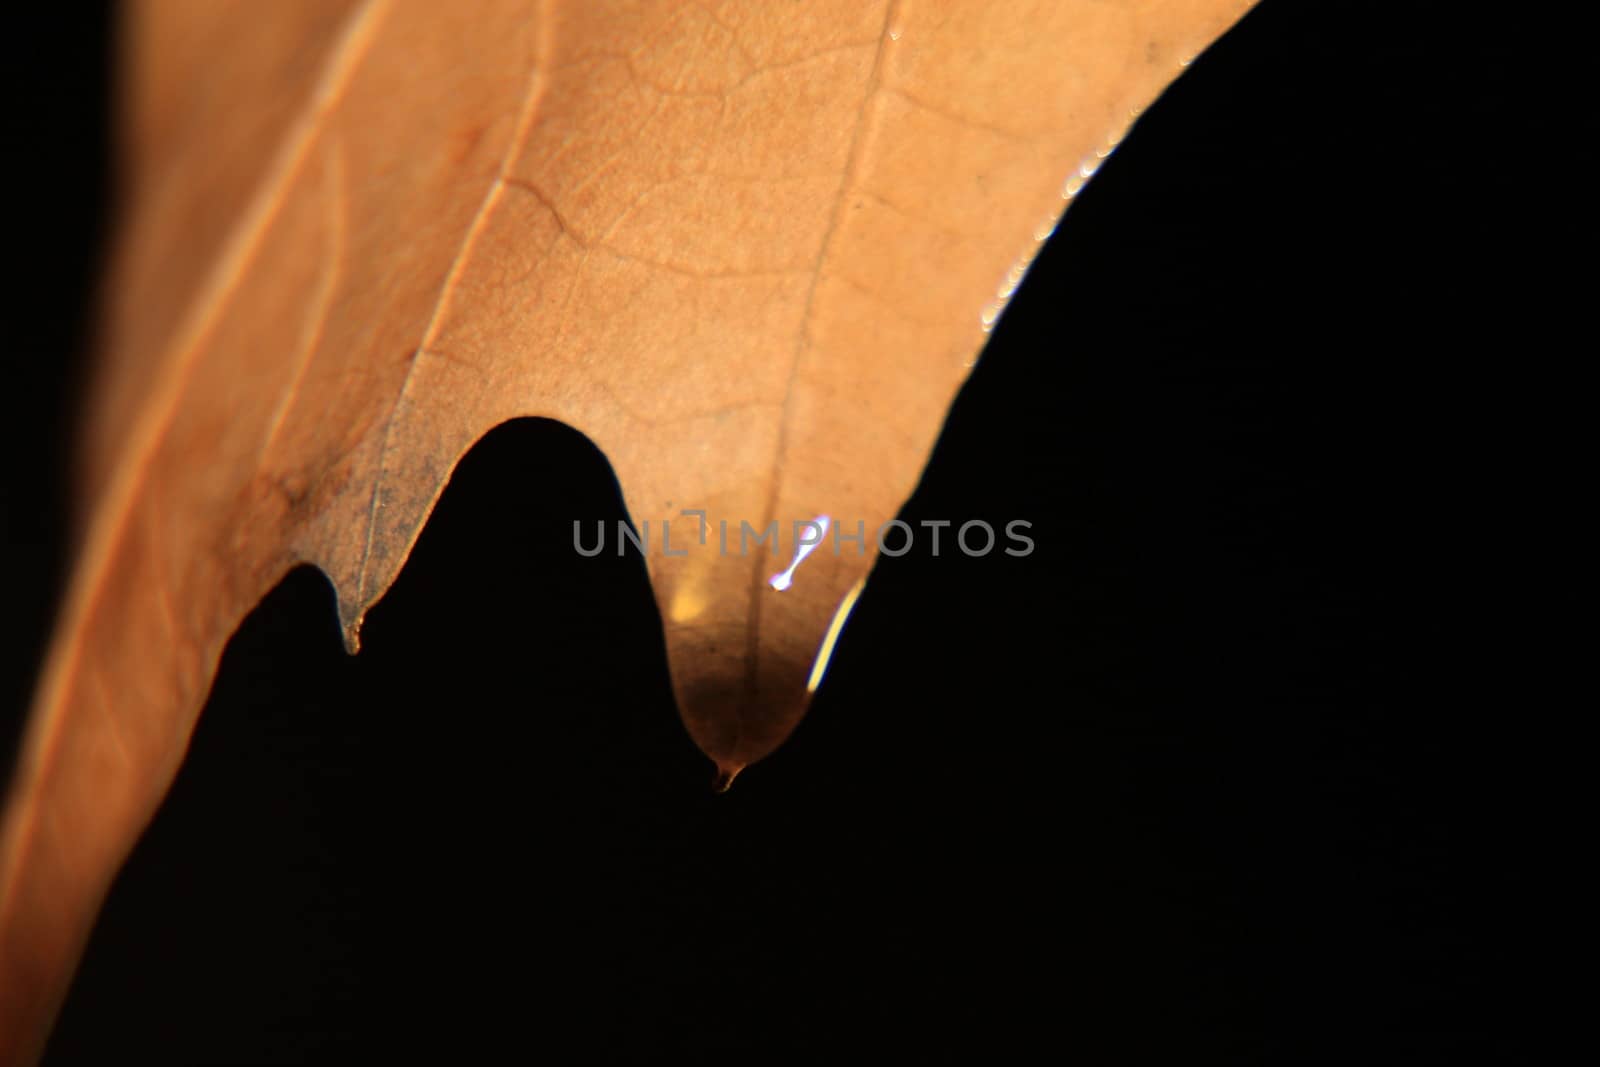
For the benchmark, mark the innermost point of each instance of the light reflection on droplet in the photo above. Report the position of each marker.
(820, 665)
(688, 604)
(785, 578)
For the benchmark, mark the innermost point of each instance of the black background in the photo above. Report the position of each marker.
(1229, 770)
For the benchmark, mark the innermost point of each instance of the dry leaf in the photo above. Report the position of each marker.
(749, 248)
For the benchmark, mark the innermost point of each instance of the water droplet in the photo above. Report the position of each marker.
(1013, 279)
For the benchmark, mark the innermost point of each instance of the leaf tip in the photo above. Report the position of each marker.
(352, 636)
(726, 773)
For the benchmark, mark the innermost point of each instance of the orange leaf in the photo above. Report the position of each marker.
(750, 249)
